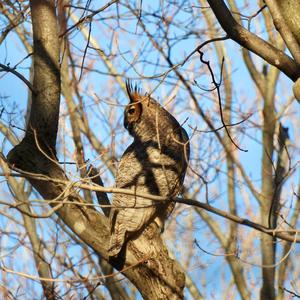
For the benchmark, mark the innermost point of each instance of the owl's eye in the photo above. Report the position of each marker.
(131, 111)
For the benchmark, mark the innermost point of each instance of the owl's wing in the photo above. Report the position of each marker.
(126, 220)
(130, 213)
(149, 170)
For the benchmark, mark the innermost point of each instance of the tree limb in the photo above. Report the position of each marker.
(252, 42)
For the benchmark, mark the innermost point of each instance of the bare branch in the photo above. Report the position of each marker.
(252, 42)
(20, 76)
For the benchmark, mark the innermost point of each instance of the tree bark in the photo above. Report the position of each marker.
(290, 11)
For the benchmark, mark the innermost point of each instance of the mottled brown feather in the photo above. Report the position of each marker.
(154, 163)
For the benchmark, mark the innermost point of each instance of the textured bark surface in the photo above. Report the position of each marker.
(146, 262)
(290, 11)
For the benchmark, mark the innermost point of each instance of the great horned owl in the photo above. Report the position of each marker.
(155, 163)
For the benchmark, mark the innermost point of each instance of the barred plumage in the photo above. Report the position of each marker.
(155, 163)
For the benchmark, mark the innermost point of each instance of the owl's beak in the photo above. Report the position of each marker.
(125, 121)
(128, 125)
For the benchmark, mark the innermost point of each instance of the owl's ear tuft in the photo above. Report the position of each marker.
(133, 92)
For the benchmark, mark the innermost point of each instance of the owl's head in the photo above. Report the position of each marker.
(137, 114)
(133, 110)
(144, 117)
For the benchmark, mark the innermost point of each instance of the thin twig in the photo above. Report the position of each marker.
(217, 85)
(287, 235)
(88, 17)
(20, 76)
(97, 278)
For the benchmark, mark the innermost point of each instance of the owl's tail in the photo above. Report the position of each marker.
(117, 241)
